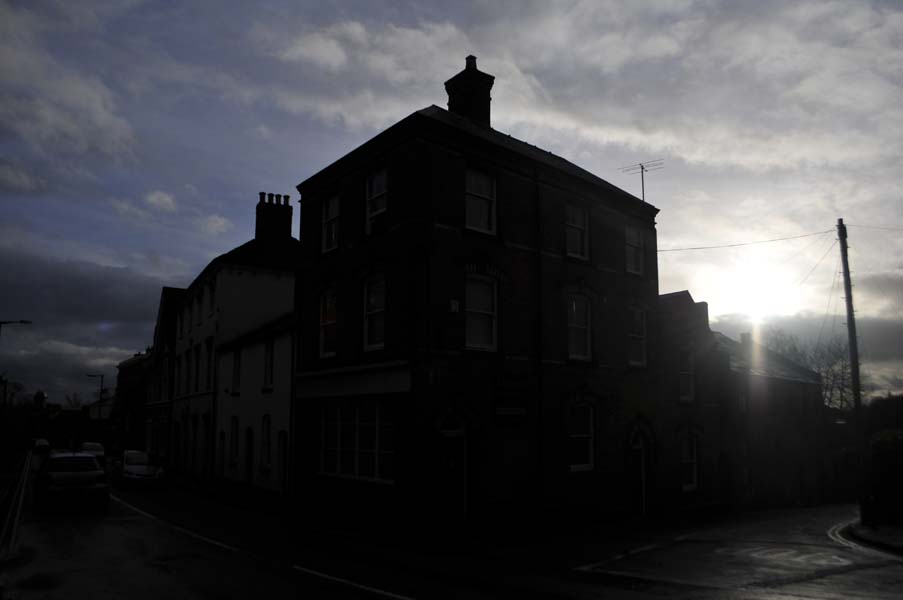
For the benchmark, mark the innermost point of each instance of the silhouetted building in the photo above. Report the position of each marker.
(161, 384)
(477, 326)
(130, 407)
(739, 423)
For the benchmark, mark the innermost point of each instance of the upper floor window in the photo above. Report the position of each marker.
(328, 337)
(210, 299)
(377, 196)
(480, 313)
(579, 331)
(689, 462)
(236, 371)
(330, 239)
(188, 371)
(190, 309)
(200, 303)
(576, 232)
(581, 437)
(233, 438)
(209, 372)
(197, 367)
(634, 249)
(637, 336)
(181, 321)
(687, 375)
(479, 205)
(374, 313)
(269, 351)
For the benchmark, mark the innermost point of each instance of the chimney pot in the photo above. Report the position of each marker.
(285, 199)
(278, 198)
(270, 198)
(470, 62)
(262, 196)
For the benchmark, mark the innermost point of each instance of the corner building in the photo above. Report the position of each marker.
(477, 328)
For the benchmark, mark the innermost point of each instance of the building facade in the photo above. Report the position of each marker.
(477, 326)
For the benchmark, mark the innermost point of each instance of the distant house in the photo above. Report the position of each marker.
(130, 407)
(161, 376)
(476, 326)
(738, 424)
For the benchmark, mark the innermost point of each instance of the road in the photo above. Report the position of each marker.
(143, 553)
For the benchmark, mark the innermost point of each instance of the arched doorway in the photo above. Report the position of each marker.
(249, 455)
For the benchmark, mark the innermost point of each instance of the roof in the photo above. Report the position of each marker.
(523, 148)
(279, 254)
(764, 362)
(436, 115)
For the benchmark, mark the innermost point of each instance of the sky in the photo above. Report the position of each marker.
(134, 137)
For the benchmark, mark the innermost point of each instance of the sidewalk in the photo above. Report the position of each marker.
(885, 537)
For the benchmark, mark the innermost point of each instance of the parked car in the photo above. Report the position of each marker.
(70, 478)
(135, 468)
(41, 447)
(97, 450)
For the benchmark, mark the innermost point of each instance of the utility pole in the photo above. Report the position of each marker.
(854, 350)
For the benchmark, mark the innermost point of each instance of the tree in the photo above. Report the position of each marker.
(73, 400)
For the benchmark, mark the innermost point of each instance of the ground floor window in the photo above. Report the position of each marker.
(580, 437)
(357, 441)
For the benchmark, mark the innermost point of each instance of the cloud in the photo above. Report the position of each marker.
(18, 180)
(214, 224)
(126, 209)
(161, 201)
(54, 108)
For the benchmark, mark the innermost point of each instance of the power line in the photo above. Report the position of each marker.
(793, 237)
(812, 270)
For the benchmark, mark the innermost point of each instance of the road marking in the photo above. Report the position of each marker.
(174, 526)
(299, 568)
(835, 534)
(350, 583)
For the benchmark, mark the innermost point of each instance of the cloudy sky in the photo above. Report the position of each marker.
(134, 137)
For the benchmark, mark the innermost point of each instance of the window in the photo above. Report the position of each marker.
(328, 339)
(200, 302)
(634, 251)
(330, 224)
(221, 455)
(197, 367)
(181, 321)
(576, 232)
(580, 437)
(233, 439)
(265, 446)
(377, 196)
(374, 314)
(208, 343)
(190, 310)
(358, 442)
(579, 332)
(479, 202)
(689, 463)
(211, 299)
(743, 397)
(268, 357)
(236, 372)
(687, 375)
(637, 337)
(178, 378)
(480, 313)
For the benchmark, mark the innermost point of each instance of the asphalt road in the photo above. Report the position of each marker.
(152, 552)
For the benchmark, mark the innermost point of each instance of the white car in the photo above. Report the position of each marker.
(135, 468)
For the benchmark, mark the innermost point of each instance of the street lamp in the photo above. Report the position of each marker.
(100, 393)
(19, 322)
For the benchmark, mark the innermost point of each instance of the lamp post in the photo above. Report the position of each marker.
(19, 322)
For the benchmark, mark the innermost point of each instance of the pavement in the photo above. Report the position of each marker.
(888, 538)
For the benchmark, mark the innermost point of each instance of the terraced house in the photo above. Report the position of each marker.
(476, 326)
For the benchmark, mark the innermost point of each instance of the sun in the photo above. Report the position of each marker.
(754, 286)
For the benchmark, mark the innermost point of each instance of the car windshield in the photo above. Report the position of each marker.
(73, 464)
(136, 458)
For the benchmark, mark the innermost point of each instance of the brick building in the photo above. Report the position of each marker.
(477, 326)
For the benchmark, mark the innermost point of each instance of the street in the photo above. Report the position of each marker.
(141, 548)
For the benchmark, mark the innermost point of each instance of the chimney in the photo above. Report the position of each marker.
(468, 92)
(274, 217)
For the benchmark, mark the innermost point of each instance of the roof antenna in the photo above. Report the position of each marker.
(643, 168)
